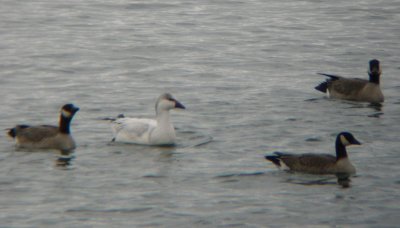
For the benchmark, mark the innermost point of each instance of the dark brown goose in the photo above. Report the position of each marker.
(47, 136)
(319, 163)
(355, 89)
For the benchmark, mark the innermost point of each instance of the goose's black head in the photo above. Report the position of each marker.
(374, 71)
(69, 110)
(347, 139)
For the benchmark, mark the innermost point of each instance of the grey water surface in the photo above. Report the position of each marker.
(245, 70)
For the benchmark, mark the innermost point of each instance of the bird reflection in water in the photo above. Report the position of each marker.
(343, 179)
(65, 159)
(376, 107)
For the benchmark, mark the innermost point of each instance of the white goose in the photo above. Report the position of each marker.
(158, 131)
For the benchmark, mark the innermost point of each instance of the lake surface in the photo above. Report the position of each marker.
(245, 70)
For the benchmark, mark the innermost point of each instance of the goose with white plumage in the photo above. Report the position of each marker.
(157, 132)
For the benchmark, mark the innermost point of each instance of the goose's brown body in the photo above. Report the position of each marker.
(47, 136)
(355, 89)
(319, 163)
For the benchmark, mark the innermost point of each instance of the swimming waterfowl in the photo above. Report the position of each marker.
(355, 89)
(319, 163)
(158, 131)
(47, 136)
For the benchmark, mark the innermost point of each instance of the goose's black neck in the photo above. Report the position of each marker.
(340, 149)
(65, 124)
(374, 77)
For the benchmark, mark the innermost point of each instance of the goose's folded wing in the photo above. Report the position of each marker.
(316, 160)
(132, 126)
(348, 86)
(36, 133)
(332, 76)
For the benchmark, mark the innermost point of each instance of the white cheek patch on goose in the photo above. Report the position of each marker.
(65, 113)
(283, 165)
(344, 140)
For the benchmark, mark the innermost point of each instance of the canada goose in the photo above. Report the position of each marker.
(355, 89)
(319, 163)
(158, 131)
(46, 136)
